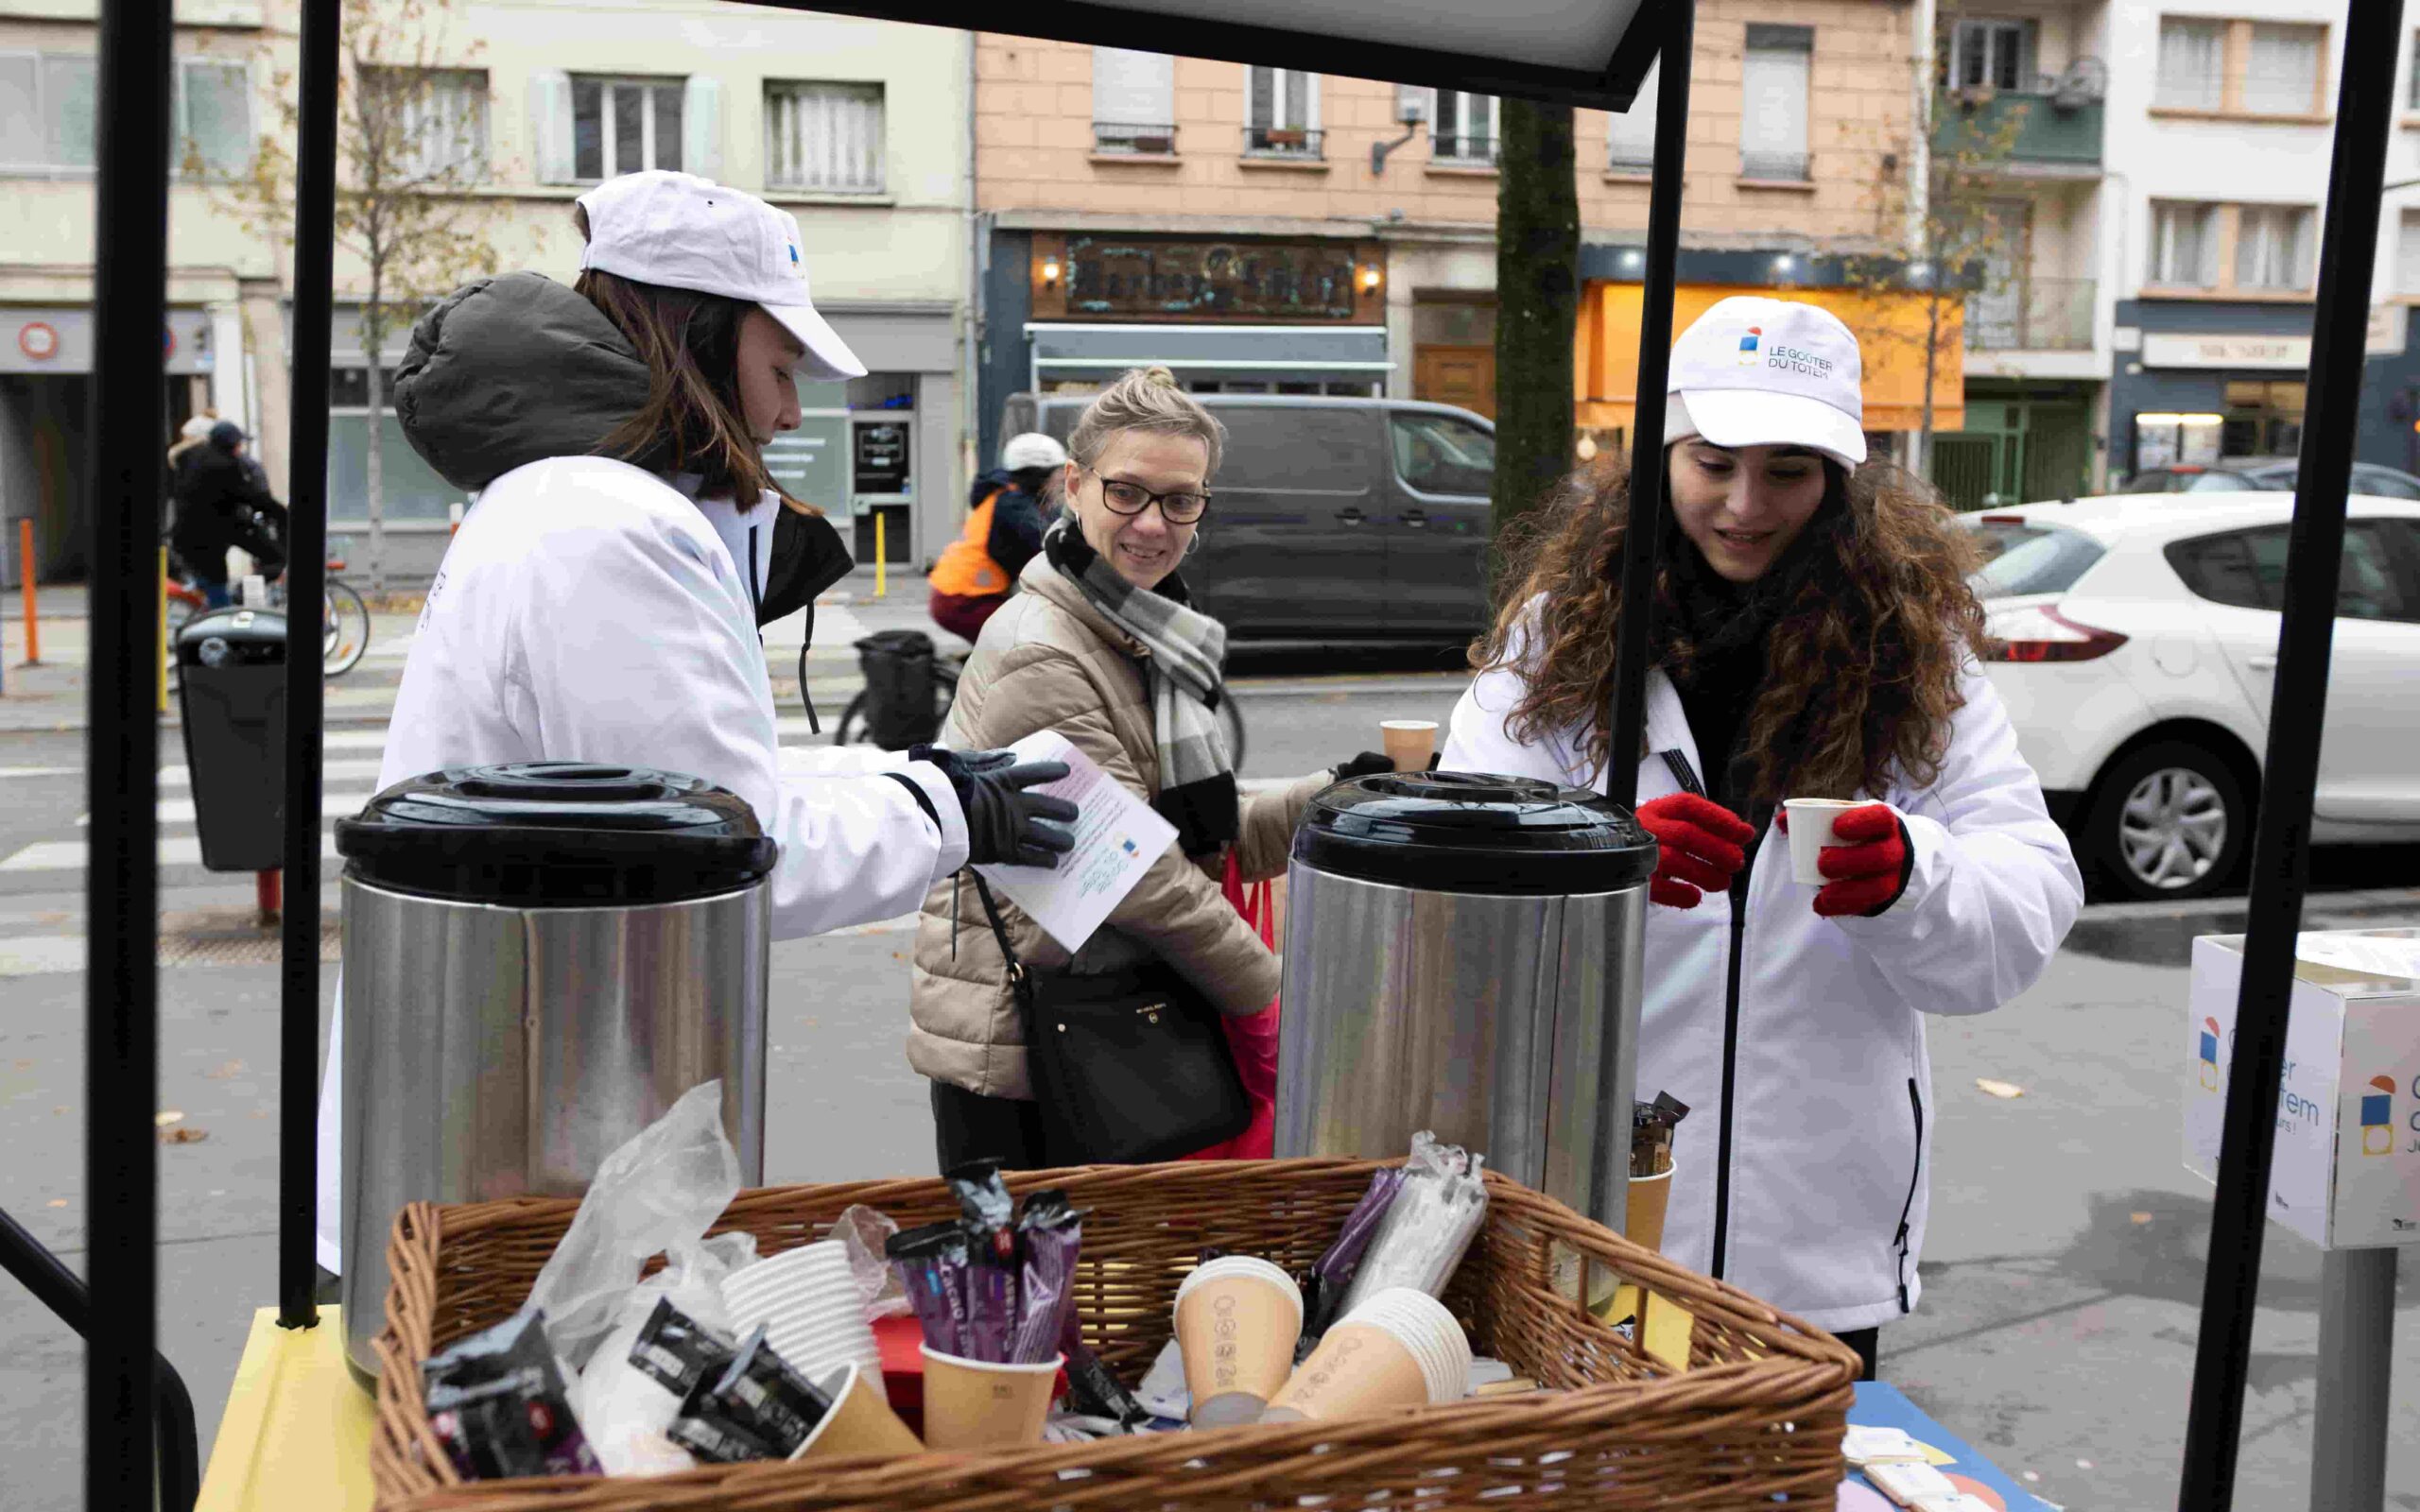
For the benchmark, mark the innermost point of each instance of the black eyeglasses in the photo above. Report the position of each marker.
(1178, 508)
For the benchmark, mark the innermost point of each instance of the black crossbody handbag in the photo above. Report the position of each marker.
(1128, 1066)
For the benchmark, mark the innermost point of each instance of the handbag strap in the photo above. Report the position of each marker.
(1001, 932)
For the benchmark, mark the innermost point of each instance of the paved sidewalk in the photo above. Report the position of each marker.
(52, 696)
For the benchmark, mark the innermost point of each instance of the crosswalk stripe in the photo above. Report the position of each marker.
(42, 955)
(181, 810)
(7, 772)
(69, 855)
(182, 776)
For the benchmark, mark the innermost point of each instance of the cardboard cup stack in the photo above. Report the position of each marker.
(1810, 830)
(1409, 743)
(1237, 1320)
(1649, 1197)
(1400, 1348)
(809, 1304)
(978, 1405)
(860, 1421)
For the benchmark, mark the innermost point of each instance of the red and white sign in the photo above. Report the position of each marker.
(38, 340)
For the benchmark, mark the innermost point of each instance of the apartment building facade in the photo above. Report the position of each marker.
(1263, 228)
(859, 127)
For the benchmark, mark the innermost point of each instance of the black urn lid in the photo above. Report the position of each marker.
(1470, 831)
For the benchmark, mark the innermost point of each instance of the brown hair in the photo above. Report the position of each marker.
(692, 421)
(1146, 399)
(1863, 667)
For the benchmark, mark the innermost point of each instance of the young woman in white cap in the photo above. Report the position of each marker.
(600, 602)
(1813, 637)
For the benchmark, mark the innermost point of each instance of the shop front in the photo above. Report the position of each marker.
(2203, 385)
(1066, 311)
(45, 402)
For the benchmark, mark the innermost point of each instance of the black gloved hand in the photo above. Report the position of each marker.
(1006, 822)
(1369, 764)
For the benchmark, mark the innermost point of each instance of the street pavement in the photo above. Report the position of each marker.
(2062, 1276)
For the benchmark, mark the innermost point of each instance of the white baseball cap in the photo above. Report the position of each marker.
(1753, 371)
(686, 233)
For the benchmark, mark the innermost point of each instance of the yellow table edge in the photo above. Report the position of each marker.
(296, 1429)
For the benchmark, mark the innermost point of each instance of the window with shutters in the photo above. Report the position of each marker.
(1281, 113)
(46, 112)
(2227, 248)
(1990, 54)
(1773, 90)
(441, 116)
(1133, 102)
(824, 138)
(1462, 129)
(624, 124)
(2213, 66)
(2407, 254)
(1631, 134)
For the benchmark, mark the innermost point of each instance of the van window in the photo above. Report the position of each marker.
(1442, 453)
(1286, 447)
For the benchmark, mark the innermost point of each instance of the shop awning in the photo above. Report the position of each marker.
(1891, 327)
(1209, 352)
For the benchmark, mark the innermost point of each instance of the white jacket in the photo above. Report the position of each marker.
(1829, 1108)
(587, 610)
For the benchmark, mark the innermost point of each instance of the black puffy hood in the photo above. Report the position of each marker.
(514, 369)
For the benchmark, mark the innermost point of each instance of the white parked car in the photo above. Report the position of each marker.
(2138, 642)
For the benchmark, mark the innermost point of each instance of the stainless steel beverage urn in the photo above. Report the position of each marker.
(1462, 955)
(538, 960)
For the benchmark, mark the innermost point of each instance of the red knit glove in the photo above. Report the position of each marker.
(1698, 843)
(1869, 868)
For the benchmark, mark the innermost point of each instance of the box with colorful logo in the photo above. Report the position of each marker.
(2347, 1170)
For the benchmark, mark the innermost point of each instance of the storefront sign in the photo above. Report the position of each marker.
(2169, 349)
(1190, 280)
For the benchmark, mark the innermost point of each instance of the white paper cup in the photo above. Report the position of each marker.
(1409, 743)
(1810, 830)
(1238, 1319)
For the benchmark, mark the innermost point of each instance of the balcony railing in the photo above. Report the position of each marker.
(2020, 129)
(1128, 139)
(2031, 315)
(1282, 142)
(1776, 167)
(1464, 150)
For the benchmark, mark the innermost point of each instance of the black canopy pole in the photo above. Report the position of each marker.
(2364, 105)
(129, 439)
(1678, 19)
(298, 1158)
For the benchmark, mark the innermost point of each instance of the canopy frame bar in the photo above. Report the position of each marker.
(2298, 705)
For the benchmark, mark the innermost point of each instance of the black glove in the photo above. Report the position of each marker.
(1369, 764)
(1006, 822)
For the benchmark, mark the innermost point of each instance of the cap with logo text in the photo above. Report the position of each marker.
(686, 232)
(1755, 371)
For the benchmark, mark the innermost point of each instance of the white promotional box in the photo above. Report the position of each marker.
(2347, 1170)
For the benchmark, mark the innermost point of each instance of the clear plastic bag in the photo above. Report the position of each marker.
(864, 1231)
(1435, 1215)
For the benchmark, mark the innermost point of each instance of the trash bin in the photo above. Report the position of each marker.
(539, 960)
(1462, 955)
(231, 691)
(901, 709)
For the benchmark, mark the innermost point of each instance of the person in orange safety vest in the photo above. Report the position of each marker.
(978, 569)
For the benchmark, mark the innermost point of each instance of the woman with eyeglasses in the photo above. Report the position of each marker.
(1105, 646)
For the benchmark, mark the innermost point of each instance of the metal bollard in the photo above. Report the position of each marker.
(881, 557)
(25, 581)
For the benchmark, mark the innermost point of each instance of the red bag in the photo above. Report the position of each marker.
(1252, 1040)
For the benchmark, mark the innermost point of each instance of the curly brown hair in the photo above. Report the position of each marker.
(1863, 665)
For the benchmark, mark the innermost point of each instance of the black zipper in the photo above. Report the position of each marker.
(1915, 1173)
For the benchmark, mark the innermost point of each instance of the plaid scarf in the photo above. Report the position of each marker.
(1189, 648)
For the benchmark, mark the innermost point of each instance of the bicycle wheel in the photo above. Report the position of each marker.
(852, 726)
(344, 629)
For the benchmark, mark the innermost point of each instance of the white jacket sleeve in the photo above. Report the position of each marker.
(1994, 887)
(667, 678)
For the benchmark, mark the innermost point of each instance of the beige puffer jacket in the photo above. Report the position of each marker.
(1048, 661)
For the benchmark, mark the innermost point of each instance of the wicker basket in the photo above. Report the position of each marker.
(1755, 1422)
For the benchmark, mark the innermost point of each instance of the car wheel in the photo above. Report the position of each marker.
(2169, 821)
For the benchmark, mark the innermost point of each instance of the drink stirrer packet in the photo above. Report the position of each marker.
(497, 1401)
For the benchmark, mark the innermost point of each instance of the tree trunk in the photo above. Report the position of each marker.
(1537, 305)
(373, 344)
(1932, 361)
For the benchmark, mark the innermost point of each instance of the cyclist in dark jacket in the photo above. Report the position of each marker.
(223, 500)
